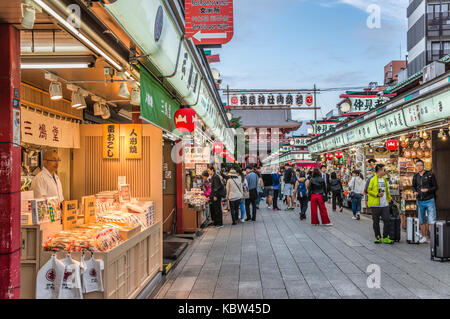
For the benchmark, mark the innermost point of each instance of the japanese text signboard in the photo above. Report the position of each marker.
(209, 21)
(133, 141)
(70, 208)
(111, 141)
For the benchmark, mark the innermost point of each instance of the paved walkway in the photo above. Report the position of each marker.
(278, 256)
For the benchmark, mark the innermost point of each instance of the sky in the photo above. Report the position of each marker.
(286, 44)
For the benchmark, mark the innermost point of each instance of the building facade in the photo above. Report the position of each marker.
(428, 36)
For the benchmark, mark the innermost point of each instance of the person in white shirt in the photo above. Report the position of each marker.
(234, 194)
(357, 190)
(46, 183)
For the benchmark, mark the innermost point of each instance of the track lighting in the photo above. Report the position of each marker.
(136, 96)
(28, 10)
(55, 90)
(76, 99)
(123, 91)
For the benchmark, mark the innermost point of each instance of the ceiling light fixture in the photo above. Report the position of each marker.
(54, 65)
(123, 90)
(28, 10)
(55, 90)
(77, 33)
(135, 96)
(76, 99)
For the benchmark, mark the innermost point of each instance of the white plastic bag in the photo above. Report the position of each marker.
(49, 279)
(92, 274)
(71, 284)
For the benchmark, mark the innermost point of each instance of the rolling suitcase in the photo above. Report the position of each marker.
(412, 230)
(440, 240)
(395, 228)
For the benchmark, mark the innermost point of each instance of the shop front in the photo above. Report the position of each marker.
(397, 135)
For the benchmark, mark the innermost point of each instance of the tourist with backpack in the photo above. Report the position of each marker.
(336, 191)
(217, 193)
(289, 182)
(301, 187)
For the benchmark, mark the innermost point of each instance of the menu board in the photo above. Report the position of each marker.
(70, 208)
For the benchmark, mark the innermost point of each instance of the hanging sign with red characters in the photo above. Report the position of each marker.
(209, 21)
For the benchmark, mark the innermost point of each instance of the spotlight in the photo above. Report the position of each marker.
(441, 133)
(136, 96)
(425, 135)
(106, 114)
(97, 109)
(28, 10)
(76, 99)
(55, 90)
(123, 91)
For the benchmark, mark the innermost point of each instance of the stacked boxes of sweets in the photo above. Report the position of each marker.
(39, 211)
(92, 237)
(144, 211)
(195, 197)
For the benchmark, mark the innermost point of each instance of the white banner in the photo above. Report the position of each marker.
(40, 129)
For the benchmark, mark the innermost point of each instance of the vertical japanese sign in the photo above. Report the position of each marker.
(111, 139)
(89, 209)
(70, 214)
(209, 21)
(133, 141)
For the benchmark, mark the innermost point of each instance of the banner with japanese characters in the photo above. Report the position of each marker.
(111, 141)
(133, 140)
(43, 130)
(365, 104)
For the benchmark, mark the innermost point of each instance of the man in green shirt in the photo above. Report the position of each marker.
(379, 198)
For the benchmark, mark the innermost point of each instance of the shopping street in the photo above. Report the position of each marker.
(279, 256)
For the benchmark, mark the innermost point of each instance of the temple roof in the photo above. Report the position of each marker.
(266, 118)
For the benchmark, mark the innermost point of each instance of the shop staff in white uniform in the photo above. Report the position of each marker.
(46, 183)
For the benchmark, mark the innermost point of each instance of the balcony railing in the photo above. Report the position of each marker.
(438, 21)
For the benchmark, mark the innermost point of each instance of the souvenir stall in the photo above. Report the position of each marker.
(105, 240)
(412, 147)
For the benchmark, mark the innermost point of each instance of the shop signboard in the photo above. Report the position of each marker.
(39, 129)
(157, 106)
(209, 22)
(133, 140)
(365, 104)
(111, 140)
(441, 105)
(351, 136)
(89, 206)
(391, 123)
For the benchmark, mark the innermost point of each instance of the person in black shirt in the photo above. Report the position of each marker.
(424, 187)
(268, 189)
(217, 190)
(336, 191)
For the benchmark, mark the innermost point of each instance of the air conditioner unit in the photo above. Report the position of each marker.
(433, 70)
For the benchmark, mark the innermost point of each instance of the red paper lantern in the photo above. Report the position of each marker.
(217, 147)
(185, 119)
(339, 154)
(330, 156)
(392, 145)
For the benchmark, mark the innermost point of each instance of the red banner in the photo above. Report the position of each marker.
(209, 21)
(213, 58)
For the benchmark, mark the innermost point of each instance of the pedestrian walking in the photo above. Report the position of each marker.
(245, 195)
(252, 181)
(317, 191)
(379, 198)
(356, 193)
(301, 190)
(217, 193)
(289, 182)
(234, 194)
(260, 188)
(268, 189)
(326, 178)
(207, 193)
(276, 184)
(336, 190)
(425, 186)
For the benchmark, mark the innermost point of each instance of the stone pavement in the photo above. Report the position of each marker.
(279, 256)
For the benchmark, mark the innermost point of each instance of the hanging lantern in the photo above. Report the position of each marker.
(330, 156)
(339, 154)
(309, 100)
(217, 147)
(392, 145)
(185, 119)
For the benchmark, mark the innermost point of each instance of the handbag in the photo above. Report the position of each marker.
(352, 192)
